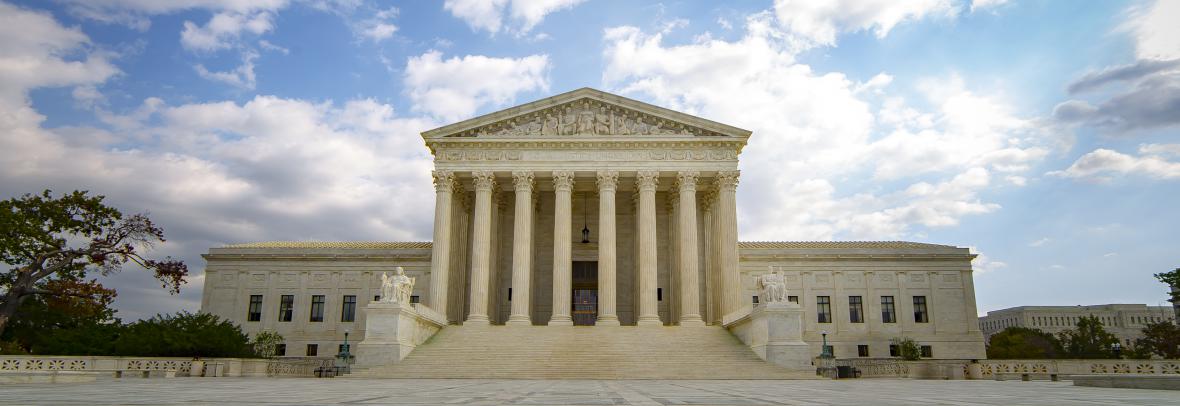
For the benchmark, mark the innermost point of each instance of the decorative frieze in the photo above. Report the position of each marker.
(585, 117)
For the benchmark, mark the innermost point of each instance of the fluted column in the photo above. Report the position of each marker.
(522, 248)
(563, 184)
(646, 182)
(690, 288)
(440, 253)
(608, 181)
(481, 247)
(727, 250)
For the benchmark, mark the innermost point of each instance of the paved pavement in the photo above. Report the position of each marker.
(290, 391)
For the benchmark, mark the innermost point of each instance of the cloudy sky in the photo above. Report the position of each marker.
(1043, 134)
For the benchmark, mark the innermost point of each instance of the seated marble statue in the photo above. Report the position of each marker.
(396, 288)
(772, 288)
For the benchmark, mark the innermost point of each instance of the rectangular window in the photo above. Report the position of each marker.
(509, 294)
(286, 305)
(855, 310)
(348, 310)
(894, 350)
(823, 307)
(927, 351)
(317, 308)
(313, 350)
(255, 313)
(659, 294)
(920, 315)
(793, 299)
(376, 298)
(888, 315)
(754, 299)
(280, 350)
(414, 299)
(862, 350)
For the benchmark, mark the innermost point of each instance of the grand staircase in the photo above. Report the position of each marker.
(542, 352)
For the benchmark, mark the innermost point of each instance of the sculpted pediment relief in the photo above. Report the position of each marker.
(583, 117)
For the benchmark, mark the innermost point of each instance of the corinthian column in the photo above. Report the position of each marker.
(646, 182)
(440, 253)
(563, 183)
(690, 289)
(607, 314)
(522, 249)
(727, 251)
(481, 247)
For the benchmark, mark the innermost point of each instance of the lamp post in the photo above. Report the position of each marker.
(344, 357)
(824, 353)
(1117, 349)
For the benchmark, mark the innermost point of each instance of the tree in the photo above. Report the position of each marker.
(183, 335)
(265, 343)
(76, 325)
(1172, 279)
(1023, 343)
(1162, 339)
(66, 239)
(1088, 340)
(907, 348)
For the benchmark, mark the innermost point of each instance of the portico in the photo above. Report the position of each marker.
(554, 165)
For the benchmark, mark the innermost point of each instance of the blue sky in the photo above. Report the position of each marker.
(1043, 134)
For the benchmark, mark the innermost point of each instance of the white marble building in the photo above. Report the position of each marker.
(1125, 321)
(587, 208)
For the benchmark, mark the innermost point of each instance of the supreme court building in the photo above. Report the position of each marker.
(591, 209)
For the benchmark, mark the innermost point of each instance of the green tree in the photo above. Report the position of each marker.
(76, 325)
(67, 239)
(183, 335)
(1088, 340)
(1023, 343)
(907, 348)
(1162, 339)
(265, 343)
(1172, 279)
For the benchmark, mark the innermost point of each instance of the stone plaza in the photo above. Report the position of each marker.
(295, 391)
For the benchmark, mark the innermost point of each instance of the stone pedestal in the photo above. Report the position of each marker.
(775, 332)
(392, 331)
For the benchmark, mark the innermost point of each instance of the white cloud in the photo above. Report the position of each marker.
(38, 52)
(223, 30)
(456, 88)
(1102, 163)
(267, 45)
(491, 15)
(1157, 34)
(241, 76)
(815, 131)
(820, 21)
(1040, 242)
(1110, 255)
(977, 5)
(983, 264)
(379, 27)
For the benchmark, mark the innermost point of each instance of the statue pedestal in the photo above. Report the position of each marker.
(774, 331)
(392, 331)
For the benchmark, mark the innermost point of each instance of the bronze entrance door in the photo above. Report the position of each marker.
(585, 295)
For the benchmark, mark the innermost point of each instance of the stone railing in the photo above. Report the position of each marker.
(233, 367)
(877, 367)
(987, 369)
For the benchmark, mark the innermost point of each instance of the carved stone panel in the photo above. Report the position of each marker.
(584, 117)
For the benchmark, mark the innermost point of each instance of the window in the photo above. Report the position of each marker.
(887, 313)
(855, 310)
(824, 308)
(894, 350)
(376, 298)
(793, 299)
(659, 294)
(255, 313)
(286, 305)
(920, 315)
(862, 350)
(755, 299)
(415, 299)
(317, 308)
(927, 351)
(509, 294)
(280, 350)
(348, 310)
(313, 350)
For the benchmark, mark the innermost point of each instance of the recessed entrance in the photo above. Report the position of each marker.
(585, 295)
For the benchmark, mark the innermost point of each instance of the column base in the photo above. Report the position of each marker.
(477, 320)
(518, 320)
(691, 321)
(559, 321)
(609, 320)
(649, 321)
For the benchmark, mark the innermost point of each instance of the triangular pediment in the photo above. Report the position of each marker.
(585, 113)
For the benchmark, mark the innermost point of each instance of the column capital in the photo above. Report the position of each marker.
(647, 180)
(563, 181)
(686, 181)
(444, 181)
(608, 180)
(484, 180)
(522, 181)
(727, 180)
(708, 200)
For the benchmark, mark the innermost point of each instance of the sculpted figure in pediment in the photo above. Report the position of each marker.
(602, 121)
(569, 121)
(585, 121)
(551, 126)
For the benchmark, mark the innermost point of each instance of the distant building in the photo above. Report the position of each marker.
(1125, 321)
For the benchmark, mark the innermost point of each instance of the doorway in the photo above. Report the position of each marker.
(585, 295)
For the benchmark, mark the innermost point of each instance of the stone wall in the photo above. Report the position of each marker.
(231, 367)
